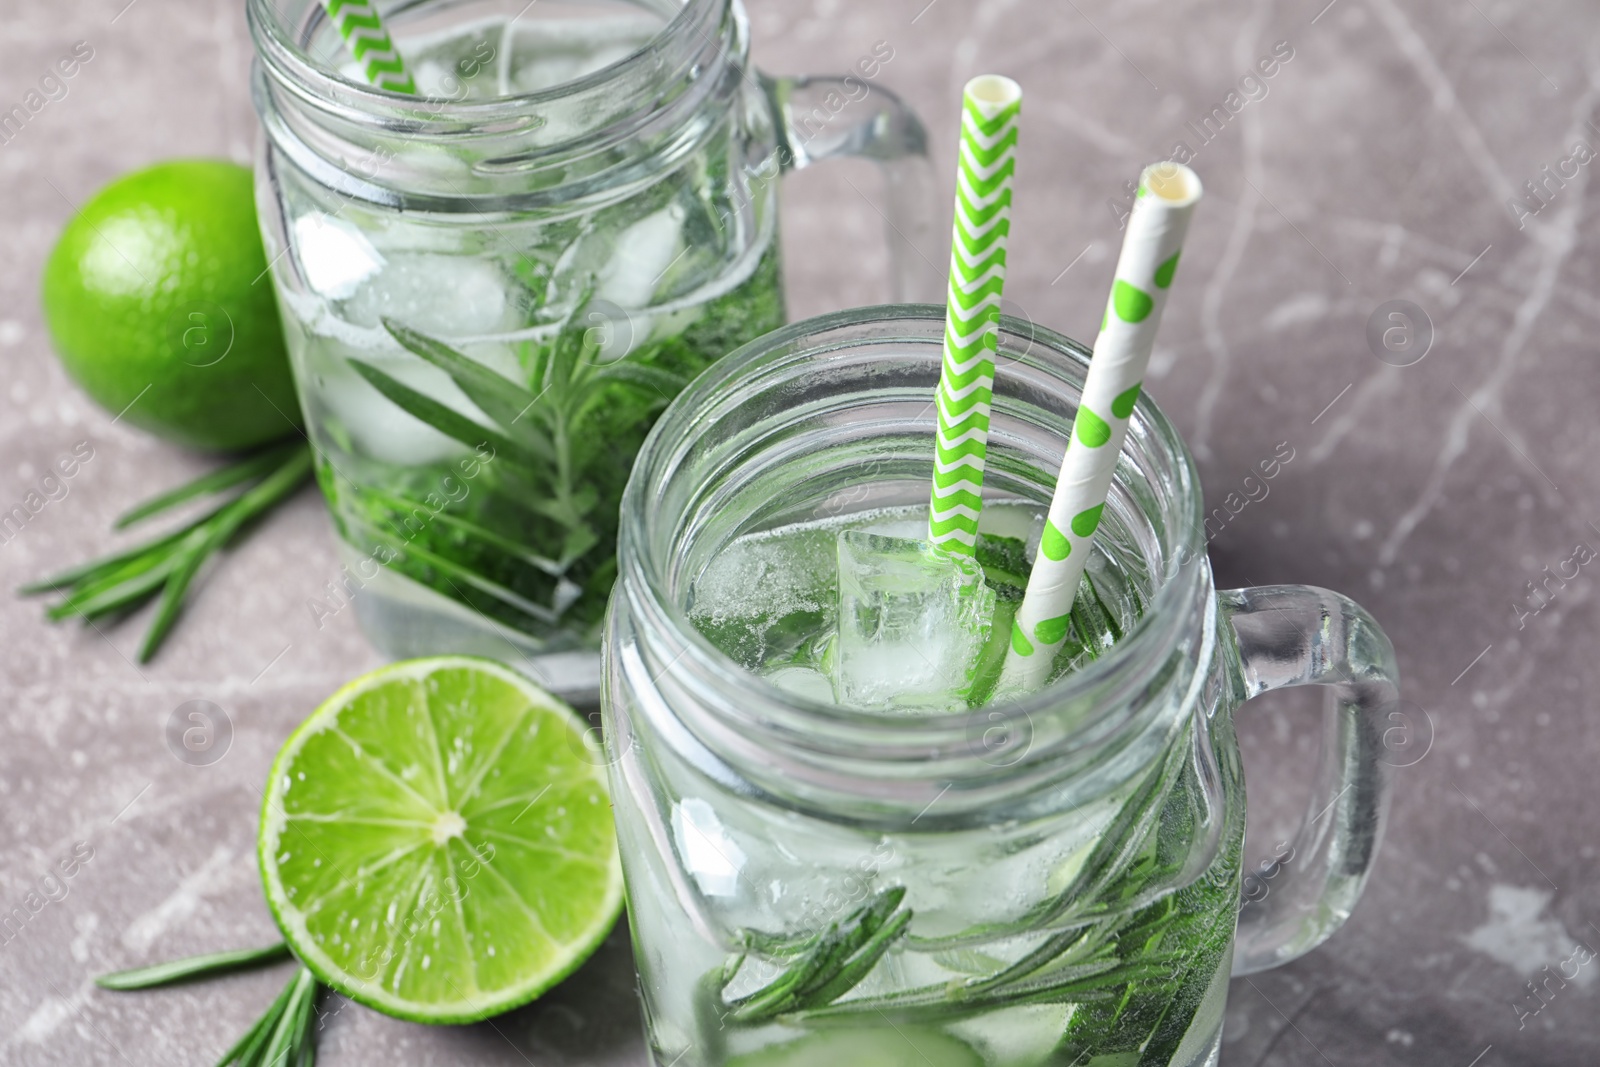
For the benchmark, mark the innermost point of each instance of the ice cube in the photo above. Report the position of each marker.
(334, 255)
(459, 63)
(765, 596)
(375, 427)
(912, 621)
(640, 256)
(804, 682)
(1027, 1033)
(551, 52)
(450, 297)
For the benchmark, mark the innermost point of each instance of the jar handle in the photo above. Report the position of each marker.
(825, 117)
(1289, 635)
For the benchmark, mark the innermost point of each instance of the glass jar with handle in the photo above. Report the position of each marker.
(491, 288)
(1054, 880)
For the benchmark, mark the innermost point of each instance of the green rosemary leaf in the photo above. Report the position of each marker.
(245, 1050)
(567, 352)
(454, 571)
(1140, 997)
(1090, 619)
(97, 569)
(929, 999)
(1005, 564)
(1112, 1025)
(123, 581)
(833, 964)
(968, 961)
(303, 1040)
(612, 386)
(446, 420)
(1180, 942)
(782, 993)
(1184, 1000)
(1113, 624)
(1122, 840)
(516, 549)
(275, 1053)
(125, 589)
(991, 662)
(306, 1050)
(730, 970)
(568, 511)
(765, 944)
(253, 466)
(1119, 844)
(173, 593)
(1136, 968)
(861, 964)
(663, 383)
(500, 398)
(192, 967)
(855, 935)
(1076, 982)
(942, 1003)
(536, 357)
(218, 532)
(1052, 949)
(1144, 930)
(578, 541)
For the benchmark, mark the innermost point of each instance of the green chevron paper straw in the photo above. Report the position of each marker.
(368, 40)
(990, 107)
(1167, 195)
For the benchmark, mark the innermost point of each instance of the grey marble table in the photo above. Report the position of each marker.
(1384, 160)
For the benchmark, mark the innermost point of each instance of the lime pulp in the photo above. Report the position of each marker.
(436, 841)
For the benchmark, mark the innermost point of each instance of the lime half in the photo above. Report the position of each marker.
(434, 843)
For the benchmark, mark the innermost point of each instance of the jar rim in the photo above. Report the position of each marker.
(1168, 615)
(285, 57)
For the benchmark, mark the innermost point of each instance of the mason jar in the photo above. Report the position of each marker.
(492, 288)
(1045, 881)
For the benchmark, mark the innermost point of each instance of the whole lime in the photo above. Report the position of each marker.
(159, 303)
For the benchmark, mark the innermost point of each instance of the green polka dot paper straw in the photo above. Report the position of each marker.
(368, 40)
(990, 106)
(1167, 195)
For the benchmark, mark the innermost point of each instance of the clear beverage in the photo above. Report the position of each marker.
(1041, 880)
(575, 214)
(598, 314)
(1099, 935)
(770, 601)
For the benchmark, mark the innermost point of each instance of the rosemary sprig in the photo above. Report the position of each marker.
(1005, 566)
(445, 419)
(166, 566)
(192, 967)
(1134, 952)
(503, 400)
(1116, 850)
(540, 431)
(944, 1003)
(283, 1036)
(248, 1049)
(291, 1040)
(247, 469)
(830, 965)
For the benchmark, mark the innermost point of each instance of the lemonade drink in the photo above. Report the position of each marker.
(930, 871)
(580, 201)
(1100, 934)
